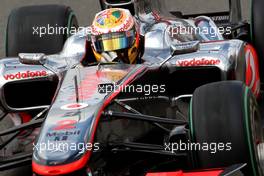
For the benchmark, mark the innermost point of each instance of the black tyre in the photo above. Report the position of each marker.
(26, 26)
(257, 35)
(224, 117)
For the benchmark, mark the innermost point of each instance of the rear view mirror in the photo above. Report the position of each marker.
(185, 47)
(32, 58)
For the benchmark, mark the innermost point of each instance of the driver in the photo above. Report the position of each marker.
(114, 36)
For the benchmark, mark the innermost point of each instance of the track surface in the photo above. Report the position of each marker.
(85, 10)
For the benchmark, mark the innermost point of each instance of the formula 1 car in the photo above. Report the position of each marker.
(188, 108)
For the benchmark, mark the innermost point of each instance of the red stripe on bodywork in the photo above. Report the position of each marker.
(79, 164)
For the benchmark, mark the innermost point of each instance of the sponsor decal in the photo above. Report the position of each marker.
(74, 106)
(65, 124)
(71, 114)
(26, 74)
(62, 136)
(66, 133)
(222, 19)
(197, 62)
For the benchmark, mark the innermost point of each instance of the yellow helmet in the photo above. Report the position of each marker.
(114, 35)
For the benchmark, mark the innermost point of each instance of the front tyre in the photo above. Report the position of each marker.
(226, 114)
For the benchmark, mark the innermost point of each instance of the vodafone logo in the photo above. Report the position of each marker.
(26, 74)
(197, 62)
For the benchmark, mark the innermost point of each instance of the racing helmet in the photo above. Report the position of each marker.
(114, 36)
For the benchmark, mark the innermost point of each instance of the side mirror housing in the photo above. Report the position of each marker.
(185, 47)
(32, 58)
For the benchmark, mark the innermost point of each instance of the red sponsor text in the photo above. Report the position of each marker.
(197, 62)
(26, 74)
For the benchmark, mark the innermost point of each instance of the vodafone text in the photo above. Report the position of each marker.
(26, 74)
(197, 62)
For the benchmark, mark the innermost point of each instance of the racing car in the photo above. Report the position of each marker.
(187, 108)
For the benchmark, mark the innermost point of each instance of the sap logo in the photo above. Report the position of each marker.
(197, 62)
(26, 74)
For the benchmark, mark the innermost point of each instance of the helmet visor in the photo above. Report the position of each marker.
(114, 41)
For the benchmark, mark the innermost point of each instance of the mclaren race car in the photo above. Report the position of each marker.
(189, 106)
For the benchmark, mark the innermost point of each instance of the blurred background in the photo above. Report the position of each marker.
(86, 9)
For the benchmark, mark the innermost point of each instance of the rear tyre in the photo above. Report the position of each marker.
(257, 35)
(27, 25)
(224, 117)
